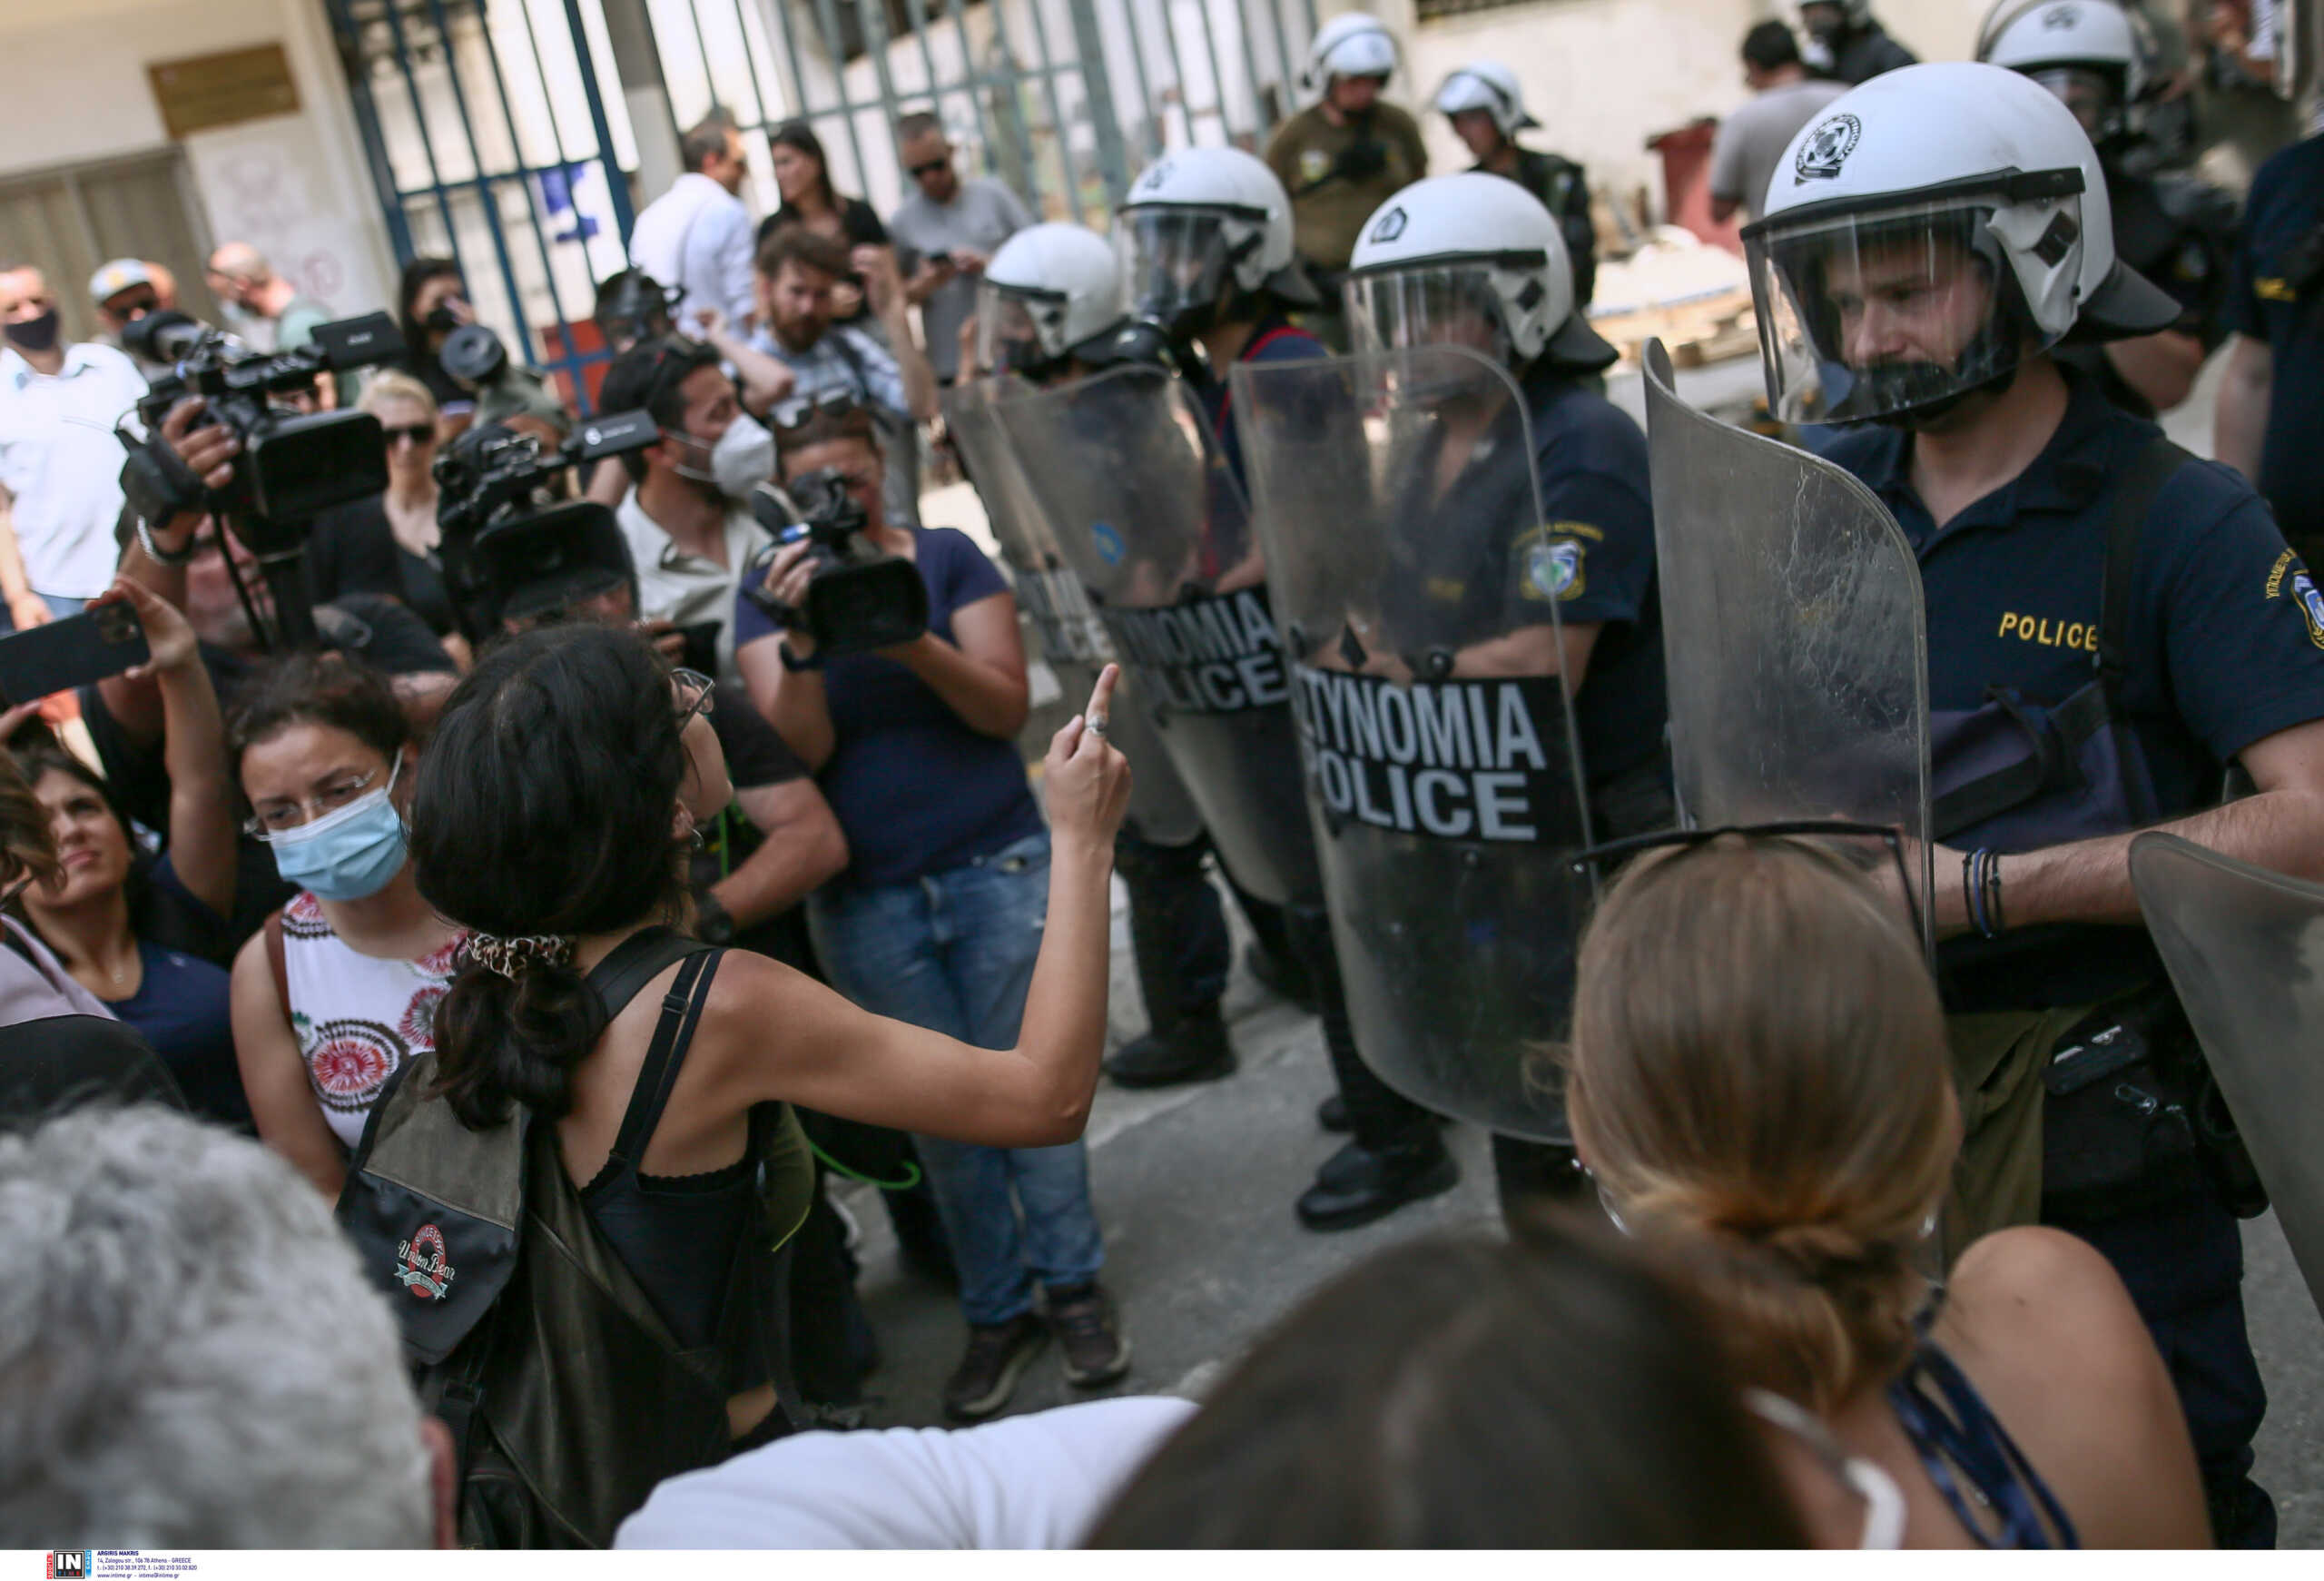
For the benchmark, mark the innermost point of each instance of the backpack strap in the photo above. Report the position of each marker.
(681, 1014)
(2149, 471)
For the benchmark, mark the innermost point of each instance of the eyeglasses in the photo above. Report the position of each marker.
(696, 694)
(281, 817)
(418, 433)
(1614, 853)
(928, 167)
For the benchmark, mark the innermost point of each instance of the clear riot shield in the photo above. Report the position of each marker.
(1417, 584)
(1073, 643)
(1125, 472)
(2245, 949)
(1792, 628)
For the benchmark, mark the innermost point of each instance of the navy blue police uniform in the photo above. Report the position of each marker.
(2224, 648)
(2277, 296)
(2179, 233)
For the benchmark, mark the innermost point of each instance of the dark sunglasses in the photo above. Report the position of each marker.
(1615, 852)
(419, 433)
(928, 167)
(136, 307)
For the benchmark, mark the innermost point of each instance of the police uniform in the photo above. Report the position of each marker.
(1564, 191)
(2178, 233)
(2225, 646)
(1589, 556)
(2277, 297)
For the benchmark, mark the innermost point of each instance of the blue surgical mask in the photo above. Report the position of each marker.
(350, 854)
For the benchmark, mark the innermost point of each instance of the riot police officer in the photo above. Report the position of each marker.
(1846, 43)
(1470, 260)
(2109, 624)
(2174, 229)
(1487, 110)
(1205, 235)
(1049, 308)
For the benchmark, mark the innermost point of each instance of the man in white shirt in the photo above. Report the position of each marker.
(1750, 140)
(697, 235)
(60, 464)
(689, 529)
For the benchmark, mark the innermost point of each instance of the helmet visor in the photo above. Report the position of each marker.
(1174, 260)
(1874, 313)
(1010, 333)
(1443, 305)
(2090, 94)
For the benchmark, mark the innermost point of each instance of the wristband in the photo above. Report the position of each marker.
(162, 556)
(1992, 891)
(793, 663)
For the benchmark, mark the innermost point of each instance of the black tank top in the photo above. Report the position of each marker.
(676, 1234)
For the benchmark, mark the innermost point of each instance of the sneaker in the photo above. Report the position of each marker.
(1089, 1336)
(996, 1357)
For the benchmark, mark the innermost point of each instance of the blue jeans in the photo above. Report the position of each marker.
(953, 952)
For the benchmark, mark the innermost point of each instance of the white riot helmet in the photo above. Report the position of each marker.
(1489, 85)
(1926, 233)
(1197, 223)
(1470, 260)
(1353, 45)
(1051, 292)
(2085, 52)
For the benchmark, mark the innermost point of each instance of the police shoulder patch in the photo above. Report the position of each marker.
(2289, 576)
(1551, 562)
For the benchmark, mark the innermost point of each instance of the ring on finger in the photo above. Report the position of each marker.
(1096, 725)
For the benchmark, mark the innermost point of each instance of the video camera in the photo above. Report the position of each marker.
(293, 465)
(859, 597)
(509, 555)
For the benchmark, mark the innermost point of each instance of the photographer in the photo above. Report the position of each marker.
(387, 544)
(148, 935)
(580, 728)
(432, 301)
(193, 563)
(940, 918)
(687, 521)
(338, 991)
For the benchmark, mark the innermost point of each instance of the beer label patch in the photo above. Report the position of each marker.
(425, 1270)
(1207, 656)
(1451, 760)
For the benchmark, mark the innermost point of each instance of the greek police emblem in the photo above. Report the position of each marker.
(1827, 148)
(2060, 19)
(1390, 225)
(1554, 570)
(1109, 541)
(1154, 180)
(2311, 604)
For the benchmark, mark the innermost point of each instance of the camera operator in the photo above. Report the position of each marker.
(387, 544)
(939, 917)
(186, 560)
(60, 468)
(687, 523)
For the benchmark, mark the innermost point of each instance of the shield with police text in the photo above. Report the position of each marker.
(1125, 470)
(2245, 949)
(1072, 640)
(1419, 585)
(1792, 628)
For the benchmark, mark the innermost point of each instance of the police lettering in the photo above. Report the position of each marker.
(1060, 611)
(1459, 760)
(2049, 633)
(1207, 656)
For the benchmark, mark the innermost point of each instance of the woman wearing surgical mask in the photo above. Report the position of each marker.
(338, 991)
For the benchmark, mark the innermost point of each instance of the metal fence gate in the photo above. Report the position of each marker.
(518, 137)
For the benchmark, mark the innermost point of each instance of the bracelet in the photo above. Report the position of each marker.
(162, 556)
(1980, 888)
(1993, 890)
(1969, 897)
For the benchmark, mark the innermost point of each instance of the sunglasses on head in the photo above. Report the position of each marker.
(800, 409)
(1614, 854)
(419, 433)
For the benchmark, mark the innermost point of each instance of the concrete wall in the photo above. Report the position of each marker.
(1604, 75)
(292, 185)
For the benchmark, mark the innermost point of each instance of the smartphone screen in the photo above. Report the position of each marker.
(69, 653)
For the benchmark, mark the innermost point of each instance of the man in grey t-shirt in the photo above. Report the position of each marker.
(1750, 140)
(944, 233)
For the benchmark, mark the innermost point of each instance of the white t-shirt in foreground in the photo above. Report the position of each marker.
(1035, 1481)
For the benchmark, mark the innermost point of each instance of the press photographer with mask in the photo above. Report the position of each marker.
(689, 529)
(338, 990)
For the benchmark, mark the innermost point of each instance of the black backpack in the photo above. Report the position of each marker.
(567, 1394)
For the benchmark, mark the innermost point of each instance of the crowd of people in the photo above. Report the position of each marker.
(545, 938)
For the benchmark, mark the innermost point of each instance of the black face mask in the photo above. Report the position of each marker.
(442, 318)
(34, 335)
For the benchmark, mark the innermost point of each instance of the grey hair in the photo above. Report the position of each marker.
(189, 1358)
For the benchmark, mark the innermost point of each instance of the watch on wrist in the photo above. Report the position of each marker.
(793, 663)
(713, 924)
